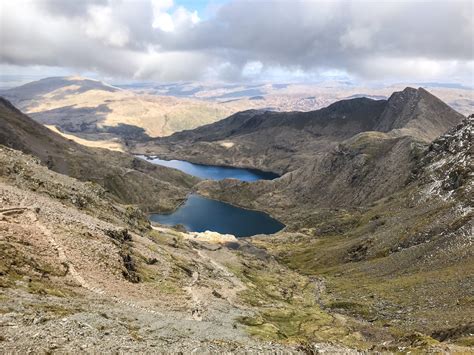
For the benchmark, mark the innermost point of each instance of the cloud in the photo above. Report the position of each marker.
(101, 25)
(243, 40)
(69, 8)
(172, 21)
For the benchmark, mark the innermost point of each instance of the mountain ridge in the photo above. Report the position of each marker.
(284, 141)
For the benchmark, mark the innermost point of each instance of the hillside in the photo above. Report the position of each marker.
(129, 179)
(80, 272)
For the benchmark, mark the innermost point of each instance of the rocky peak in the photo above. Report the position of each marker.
(418, 113)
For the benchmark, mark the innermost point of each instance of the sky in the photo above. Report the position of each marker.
(364, 41)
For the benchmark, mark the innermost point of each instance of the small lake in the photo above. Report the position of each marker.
(213, 172)
(199, 214)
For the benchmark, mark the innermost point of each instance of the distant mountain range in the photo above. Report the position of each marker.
(98, 112)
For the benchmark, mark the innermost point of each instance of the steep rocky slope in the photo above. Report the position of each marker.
(417, 113)
(284, 141)
(129, 179)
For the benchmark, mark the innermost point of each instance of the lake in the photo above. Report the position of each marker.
(213, 172)
(199, 214)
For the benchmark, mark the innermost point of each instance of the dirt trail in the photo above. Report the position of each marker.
(197, 308)
(199, 299)
(57, 246)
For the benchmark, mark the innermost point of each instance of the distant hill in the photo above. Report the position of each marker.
(90, 108)
(28, 93)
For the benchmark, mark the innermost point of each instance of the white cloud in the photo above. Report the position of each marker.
(424, 39)
(357, 38)
(252, 69)
(172, 66)
(169, 21)
(100, 25)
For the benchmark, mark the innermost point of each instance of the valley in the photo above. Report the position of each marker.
(358, 221)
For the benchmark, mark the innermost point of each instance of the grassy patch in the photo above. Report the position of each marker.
(42, 288)
(287, 306)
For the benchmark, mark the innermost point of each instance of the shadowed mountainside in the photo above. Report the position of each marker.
(129, 179)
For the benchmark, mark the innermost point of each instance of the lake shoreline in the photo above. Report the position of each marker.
(214, 173)
(262, 220)
(254, 170)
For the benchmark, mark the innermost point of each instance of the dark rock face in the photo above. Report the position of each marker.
(454, 333)
(121, 235)
(130, 269)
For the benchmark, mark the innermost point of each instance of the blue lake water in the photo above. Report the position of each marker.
(199, 214)
(213, 172)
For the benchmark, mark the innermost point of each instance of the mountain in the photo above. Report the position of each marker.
(129, 179)
(284, 141)
(28, 94)
(341, 119)
(417, 113)
(376, 254)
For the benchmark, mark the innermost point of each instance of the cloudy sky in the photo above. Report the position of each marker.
(235, 40)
